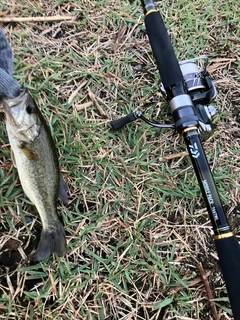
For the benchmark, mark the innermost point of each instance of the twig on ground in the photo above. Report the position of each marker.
(174, 156)
(54, 289)
(37, 19)
(119, 37)
(175, 290)
(75, 92)
(97, 105)
(115, 77)
(85, 105)
(208, 291)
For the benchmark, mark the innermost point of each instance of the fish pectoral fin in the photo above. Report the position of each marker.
(63, 193)
(13, 158)
(52, 241)
(28, 153)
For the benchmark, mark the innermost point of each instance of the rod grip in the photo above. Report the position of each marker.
(229, 260)
(162, 49)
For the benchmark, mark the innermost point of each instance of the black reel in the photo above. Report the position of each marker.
(202, 91)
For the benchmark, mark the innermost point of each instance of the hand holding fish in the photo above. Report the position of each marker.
(8, 86)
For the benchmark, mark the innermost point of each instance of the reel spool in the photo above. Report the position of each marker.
(202, 91)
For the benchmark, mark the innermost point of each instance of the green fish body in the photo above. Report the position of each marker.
(34, 155)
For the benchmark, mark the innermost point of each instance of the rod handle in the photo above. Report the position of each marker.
(229, 260)
(162, 49)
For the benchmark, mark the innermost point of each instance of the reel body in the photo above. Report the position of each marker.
(199, 86)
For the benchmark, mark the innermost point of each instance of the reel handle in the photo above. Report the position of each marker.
(119, 123)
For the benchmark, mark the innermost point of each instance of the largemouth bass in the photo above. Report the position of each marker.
(35, 157)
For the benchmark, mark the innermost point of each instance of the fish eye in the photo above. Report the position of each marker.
(29, 109)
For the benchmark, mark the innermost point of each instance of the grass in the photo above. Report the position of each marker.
(136, 225)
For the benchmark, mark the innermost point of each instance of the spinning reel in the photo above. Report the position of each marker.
(199, 86)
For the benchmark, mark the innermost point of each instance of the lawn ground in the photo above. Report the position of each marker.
(139, 237)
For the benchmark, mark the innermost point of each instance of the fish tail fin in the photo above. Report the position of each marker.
(51, 241)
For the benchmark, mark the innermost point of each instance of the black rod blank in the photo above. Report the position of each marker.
(163, 52)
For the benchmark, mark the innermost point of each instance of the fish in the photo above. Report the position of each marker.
(35, 157)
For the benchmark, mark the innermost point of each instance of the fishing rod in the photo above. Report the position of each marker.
(189, 90)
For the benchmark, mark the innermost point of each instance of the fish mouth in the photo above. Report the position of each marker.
(13, 107)
(23, 125)
(16, 104)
